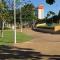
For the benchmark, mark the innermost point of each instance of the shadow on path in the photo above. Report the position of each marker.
(46, 30)
(8, 52)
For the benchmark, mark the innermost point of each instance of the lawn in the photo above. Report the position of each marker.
(9, 37)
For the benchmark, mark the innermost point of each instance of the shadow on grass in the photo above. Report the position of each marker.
(8, 52)
(43, 30)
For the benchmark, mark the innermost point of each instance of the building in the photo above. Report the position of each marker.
(40, 11)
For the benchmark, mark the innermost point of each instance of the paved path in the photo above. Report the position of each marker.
(47, 44)
(43, 42)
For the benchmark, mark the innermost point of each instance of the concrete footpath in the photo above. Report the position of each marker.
(45, 43)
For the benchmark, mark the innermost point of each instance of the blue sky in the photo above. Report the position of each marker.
(55, 7)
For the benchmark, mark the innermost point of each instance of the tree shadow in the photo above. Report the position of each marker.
(43, 30)
(8, 52)
(12, 53)
(52, 57)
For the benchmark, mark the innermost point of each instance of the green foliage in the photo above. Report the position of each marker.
(59, 15)
(28, 12)
(3, 11)
(52, 17)
(17, 1)
(50, 13)
(50, 1)
(11, 16)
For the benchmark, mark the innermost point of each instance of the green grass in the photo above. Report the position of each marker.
(9, 37)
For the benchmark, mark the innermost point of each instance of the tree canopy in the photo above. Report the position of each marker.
(50, 1)
(3, 11)
(28, 12)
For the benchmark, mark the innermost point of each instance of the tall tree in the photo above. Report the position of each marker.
(3, 14)
(28, 13)
(50, 14)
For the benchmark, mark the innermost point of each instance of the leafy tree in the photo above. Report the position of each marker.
(50, 1)
(50, 15)
(28, 13)
(3, 15)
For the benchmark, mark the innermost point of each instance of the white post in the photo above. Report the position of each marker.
(15, 21)
(20, 17)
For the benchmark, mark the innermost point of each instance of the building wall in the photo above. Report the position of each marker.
(40, 12)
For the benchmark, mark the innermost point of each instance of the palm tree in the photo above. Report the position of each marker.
(50, 13)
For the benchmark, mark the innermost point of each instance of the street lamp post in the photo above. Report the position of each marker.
(15, 21)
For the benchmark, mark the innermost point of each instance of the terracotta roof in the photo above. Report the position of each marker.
(40, 7)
